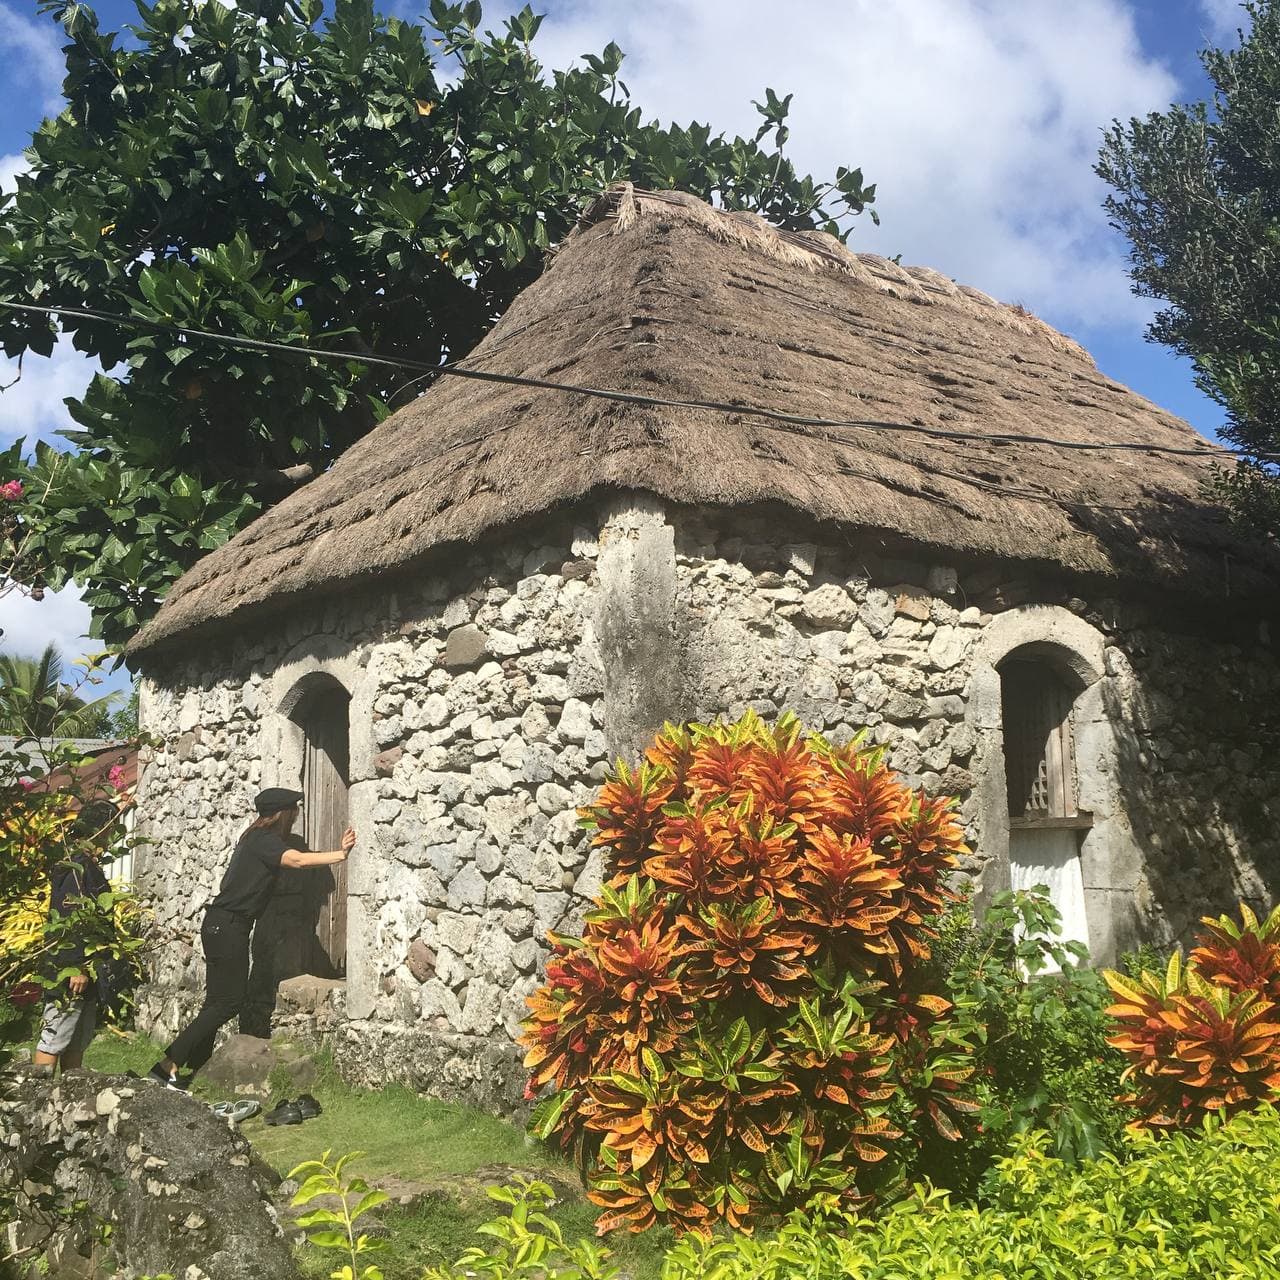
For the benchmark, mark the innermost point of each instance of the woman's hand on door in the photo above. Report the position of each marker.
(299, 858)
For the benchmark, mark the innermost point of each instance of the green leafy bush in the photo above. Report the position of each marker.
(1190, 1206)
(1039, 1018)
(1184, 1208)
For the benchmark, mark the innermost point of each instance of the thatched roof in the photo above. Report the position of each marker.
(659, 294)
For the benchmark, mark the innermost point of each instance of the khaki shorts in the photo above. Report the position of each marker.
(68, 1026)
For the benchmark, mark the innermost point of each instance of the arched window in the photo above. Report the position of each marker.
(1045, 821)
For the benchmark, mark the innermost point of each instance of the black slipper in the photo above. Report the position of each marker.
(284, 1112)
(309, 1106)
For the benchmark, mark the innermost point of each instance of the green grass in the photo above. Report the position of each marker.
(453, 1150)
(437, 1230)
(116, 1052)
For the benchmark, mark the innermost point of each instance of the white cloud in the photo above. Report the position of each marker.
(978, 119)
(1225, 18)
(31, 55)
(10, 167)
(32, 406)
(61, 619)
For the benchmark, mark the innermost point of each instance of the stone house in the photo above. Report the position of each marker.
(893, 508)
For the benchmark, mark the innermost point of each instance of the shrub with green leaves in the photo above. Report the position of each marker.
(1202, 1206)
(1038, 1015)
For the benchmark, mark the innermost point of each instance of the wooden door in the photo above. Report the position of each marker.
(324, 813)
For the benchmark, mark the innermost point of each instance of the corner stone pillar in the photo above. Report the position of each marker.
(643, 639)
(363, 869)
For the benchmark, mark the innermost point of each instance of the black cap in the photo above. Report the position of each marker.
(274, 799)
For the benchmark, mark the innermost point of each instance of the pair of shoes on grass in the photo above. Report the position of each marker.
(237, 1111)
(304, 1107)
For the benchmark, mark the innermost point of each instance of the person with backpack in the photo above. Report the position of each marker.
(243, 896)
(72, 1009)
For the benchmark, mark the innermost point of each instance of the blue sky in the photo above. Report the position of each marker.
(978, 119)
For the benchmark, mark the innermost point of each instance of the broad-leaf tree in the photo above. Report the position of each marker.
(1197, 192)
(347, 182)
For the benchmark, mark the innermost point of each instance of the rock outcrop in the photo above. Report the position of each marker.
(179, 1188)
(247, 1065)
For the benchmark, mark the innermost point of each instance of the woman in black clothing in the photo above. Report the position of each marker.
(229, 919)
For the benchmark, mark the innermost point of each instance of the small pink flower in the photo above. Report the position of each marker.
(11, 491)
(26, 784)
(115, 776)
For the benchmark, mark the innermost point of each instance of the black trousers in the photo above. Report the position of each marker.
(260, 989)
(226, 952)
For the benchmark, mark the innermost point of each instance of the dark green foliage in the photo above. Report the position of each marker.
(1198, 195)
(348, 182)
(124, 531)
(1042, 1036)
(123, 723)
(1143, 959)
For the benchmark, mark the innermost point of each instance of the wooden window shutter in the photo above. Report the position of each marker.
(1039, 759)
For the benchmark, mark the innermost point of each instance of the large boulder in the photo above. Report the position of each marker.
(180, 1188)
(246, 1064)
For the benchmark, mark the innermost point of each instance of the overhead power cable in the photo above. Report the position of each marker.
(459, 370)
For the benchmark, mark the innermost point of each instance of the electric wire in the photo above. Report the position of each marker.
(457, 369)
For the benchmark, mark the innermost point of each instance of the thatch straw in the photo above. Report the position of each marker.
(657, 293)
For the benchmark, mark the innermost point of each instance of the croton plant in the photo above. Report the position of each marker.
(1204, 1037)
(745, 1024)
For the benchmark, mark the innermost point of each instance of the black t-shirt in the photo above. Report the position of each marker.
(72, 884)
(251, 875)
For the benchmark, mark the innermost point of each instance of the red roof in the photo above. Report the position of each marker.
(93, 778)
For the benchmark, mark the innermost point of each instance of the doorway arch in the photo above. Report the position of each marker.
(310, 744)
(1060, 648)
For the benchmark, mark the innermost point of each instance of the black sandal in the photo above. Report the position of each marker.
(284, 1112)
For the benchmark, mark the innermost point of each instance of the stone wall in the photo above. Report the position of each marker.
(1174, 730)
(482, 692)
(1198, 740)
(486, 701)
